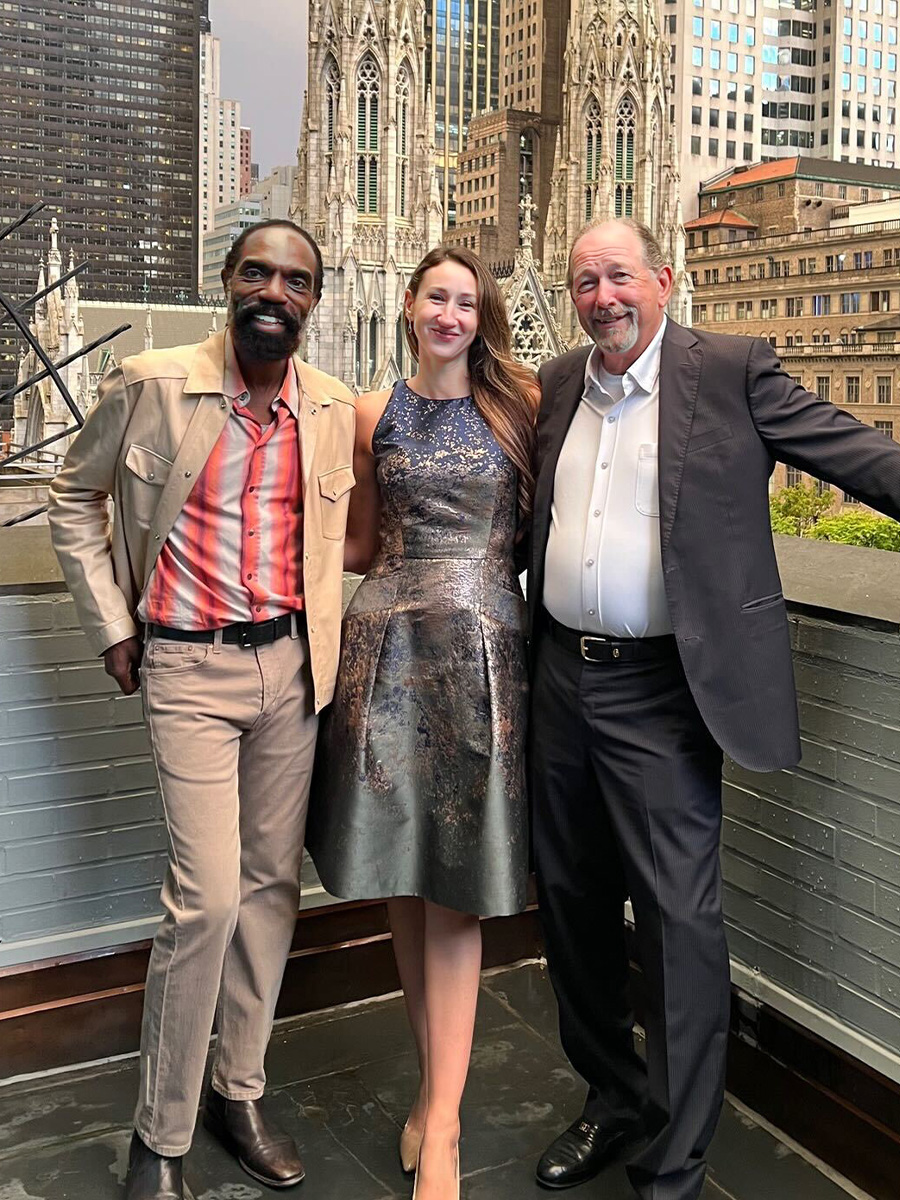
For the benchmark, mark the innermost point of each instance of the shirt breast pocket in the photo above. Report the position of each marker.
(646, 489)
(148, 472)
(334, 490)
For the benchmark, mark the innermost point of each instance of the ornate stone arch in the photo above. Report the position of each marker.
(404, 118)
(625, 134)
(368, 134)
(593, 154)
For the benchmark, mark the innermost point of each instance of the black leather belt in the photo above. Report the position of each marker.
(593, 648)
(242, 633)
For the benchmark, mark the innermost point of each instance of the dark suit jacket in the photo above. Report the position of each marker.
(727, 411)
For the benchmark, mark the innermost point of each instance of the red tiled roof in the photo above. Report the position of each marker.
(721, 216)
(779, 168)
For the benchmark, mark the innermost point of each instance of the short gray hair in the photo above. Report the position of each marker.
(653, 251)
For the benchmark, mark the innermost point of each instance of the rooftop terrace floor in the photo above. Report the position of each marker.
(341, 1081)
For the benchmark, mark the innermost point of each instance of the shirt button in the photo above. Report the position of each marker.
(223, 404)
(596, 512)
(259, 608)
(590, 612)
(610, 419)
(187, 474)
(603, 466)
(150, 475)
(590, 562)
(250, 576)
(250, 532)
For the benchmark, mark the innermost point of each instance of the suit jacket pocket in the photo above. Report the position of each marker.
(646, 490)
(334, 492)
(709, 437)
(763, 602)
(148, 472)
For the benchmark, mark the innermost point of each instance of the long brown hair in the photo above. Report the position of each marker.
(505, 392)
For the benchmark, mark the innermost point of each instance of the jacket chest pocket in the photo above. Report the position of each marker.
(334, 499)
(646, 488)
(148, 472)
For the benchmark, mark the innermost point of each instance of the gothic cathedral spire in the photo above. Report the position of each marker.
(615, 153)
(365, 179)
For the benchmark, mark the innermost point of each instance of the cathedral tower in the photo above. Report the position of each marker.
(365, 185)
(615, 155)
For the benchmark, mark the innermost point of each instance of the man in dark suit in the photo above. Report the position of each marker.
(660, 640)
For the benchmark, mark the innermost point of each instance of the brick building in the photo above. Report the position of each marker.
(806, 253)
(509, 152)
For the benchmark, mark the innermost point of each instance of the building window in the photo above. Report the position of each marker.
(885, 427)
(793, 476)
(594, 148)
(720, 312)
(880, 301)
(851, 389)
(850, 302)
(823, 385)
(624, 183)
(332, 100)
(884, 389)
(744, 309)
(368, 87)
(403, 142)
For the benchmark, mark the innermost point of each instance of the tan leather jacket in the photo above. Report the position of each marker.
(144, 444)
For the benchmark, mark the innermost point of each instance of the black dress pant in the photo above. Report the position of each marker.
(627, 803)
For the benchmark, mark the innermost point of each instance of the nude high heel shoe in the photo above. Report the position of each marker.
(410, 1144)
(418, 1163)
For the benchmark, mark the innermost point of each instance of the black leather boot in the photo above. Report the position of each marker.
(152, 1176)
(262, 1149)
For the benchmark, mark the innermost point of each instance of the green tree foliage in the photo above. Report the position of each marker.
(859, 529)
(802, 512)
(796, 509)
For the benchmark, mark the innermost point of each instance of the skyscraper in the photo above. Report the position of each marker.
(463, 65)
(98, 117)
(750, 82)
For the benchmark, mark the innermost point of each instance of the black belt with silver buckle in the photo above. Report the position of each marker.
(242, 633)
(596, 649)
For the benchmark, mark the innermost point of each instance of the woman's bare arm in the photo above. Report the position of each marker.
(364, 517)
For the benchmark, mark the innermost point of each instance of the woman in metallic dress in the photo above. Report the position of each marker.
(420, 796)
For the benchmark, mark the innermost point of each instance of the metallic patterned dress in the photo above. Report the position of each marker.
(420, 778)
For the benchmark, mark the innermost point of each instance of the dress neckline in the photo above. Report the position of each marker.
(436, 399)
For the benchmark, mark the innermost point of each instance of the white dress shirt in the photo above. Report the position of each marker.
(603, 570)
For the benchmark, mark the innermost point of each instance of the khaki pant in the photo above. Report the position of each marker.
(233, 734)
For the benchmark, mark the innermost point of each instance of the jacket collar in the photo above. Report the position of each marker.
(208, 370)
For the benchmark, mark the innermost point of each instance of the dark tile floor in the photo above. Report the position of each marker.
(342, 1081)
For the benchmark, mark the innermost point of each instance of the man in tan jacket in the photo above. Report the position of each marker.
(217, 590)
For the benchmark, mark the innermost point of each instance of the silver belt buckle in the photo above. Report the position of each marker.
(585, 648)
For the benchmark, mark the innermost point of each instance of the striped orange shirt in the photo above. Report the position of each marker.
(235, 552)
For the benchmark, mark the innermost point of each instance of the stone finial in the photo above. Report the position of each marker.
(526, 232)
(148, 330)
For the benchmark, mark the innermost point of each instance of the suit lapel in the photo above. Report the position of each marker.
(566, 397)
(679, 378)
(206, 423)
(311, 400)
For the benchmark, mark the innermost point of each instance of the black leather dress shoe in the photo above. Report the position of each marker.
(582, 1152)
(152, 1176)
(261, 1148)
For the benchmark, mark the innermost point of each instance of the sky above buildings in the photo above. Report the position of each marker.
(264, 66)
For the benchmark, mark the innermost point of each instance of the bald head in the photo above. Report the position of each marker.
(618, 291)
(651, 250)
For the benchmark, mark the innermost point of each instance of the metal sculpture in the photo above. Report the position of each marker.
(13, 312)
